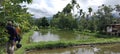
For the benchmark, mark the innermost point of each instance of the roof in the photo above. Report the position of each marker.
(113, 25)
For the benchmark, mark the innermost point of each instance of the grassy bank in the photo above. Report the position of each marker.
(58, 44)
(64, 44)
(24, 42)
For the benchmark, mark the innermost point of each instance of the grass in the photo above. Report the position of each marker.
(24, 42)
(64, 44)
(58, 44)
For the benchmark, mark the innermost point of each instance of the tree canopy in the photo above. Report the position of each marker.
(12, 10)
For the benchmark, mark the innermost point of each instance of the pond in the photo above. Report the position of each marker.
(56, 35)
(98, 49)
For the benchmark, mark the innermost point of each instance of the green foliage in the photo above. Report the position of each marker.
(90, 10)
(64, 22)
(2, 50)
(67, 9)
(117, 7)
(104, 18)
(98, 20)
(92, 22)
(73, 2)
(20, 1)
(16, 13)
(25, 42)
(42, 22)
(12, 10)
(54, 22)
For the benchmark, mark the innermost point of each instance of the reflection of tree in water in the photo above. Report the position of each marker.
(83, 50)
(104, 49)
(67, 35)
(109, 49)
(74, 51)
(114, 48)
(43, 32)
(63, 35)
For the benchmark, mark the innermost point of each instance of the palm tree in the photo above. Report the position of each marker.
(81, 12)
(77, 6)
(28, 1)
(73, 2)
(67, 9)
(90, 10)
(117, 7)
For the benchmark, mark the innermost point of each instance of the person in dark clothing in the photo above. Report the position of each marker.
(11, 31)
(12, 37)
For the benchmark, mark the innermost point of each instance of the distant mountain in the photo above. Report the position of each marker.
(49, 18)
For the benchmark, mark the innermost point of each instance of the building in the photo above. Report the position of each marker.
(113, 29)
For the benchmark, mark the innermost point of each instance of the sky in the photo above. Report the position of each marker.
(47, 8)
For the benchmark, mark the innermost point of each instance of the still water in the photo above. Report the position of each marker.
(99, 49)
(69, 35)
(56, 35)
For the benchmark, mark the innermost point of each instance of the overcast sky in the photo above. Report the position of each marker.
(41, 8)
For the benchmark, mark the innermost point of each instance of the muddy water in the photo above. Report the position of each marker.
(99, 49)
(55, 36)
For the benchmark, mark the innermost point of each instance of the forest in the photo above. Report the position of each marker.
(82, 21)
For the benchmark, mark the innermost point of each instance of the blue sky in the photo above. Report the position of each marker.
(41, 8)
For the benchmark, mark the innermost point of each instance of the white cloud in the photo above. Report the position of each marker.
(95, 2)
(59, 4)
(90, 3)
(41, 8)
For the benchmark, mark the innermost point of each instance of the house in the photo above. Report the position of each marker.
(113, 29)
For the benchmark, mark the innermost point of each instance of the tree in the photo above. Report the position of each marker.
(67, 22)
(11, 10)
(73, 2)
(44, 22)
(81, 12)
(78, 6)
(20, 1)
(67, 9)
(104, 16)
(117, 7)
(90, 10)
(83, 22)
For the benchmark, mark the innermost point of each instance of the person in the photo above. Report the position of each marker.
(12, 37)
(18, 31)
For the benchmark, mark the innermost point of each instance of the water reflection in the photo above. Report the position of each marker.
(55, 36)
(37, 36)
(103, 49)
(64, 51)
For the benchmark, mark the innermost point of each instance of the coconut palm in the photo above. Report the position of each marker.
(90, 10)
(81, 12)
(117, 7)
(73, 2)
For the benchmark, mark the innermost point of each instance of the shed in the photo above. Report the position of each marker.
(113, 29)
